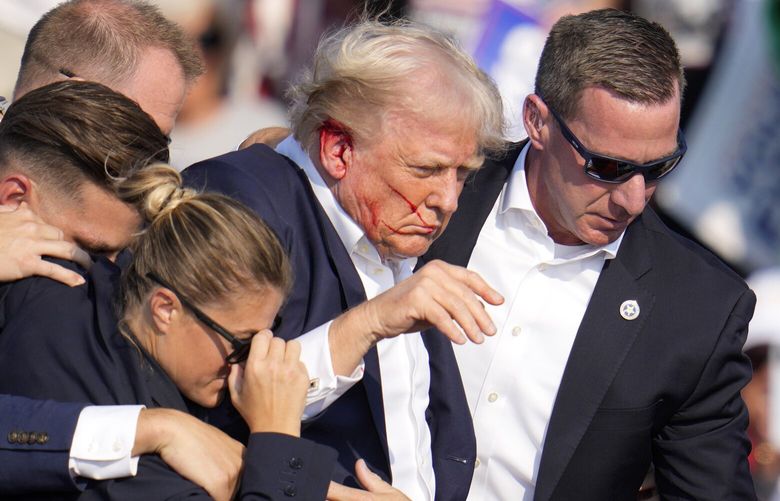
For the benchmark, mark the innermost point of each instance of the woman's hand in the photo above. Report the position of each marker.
(270, 389)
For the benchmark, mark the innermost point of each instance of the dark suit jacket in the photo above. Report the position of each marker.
(40, 461)
(62, 342)
(661, 388)
(326, 284)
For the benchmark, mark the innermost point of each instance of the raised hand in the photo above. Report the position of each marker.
(270, 390)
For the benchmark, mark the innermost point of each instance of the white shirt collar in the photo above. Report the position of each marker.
(515, 196)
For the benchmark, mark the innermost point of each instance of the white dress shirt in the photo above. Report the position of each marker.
(403, 360)
(103, 442)
(511, 380)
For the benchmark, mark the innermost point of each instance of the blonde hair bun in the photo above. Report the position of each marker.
(156, 191)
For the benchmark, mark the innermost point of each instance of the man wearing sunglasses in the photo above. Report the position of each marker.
(619, 343)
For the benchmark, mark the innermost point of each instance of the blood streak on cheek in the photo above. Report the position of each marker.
(412, 208)
(373, 211)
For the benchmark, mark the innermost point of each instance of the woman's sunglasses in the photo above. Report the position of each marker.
(240, 347)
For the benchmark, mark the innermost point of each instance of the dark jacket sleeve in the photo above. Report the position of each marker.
(702, 452)
(277, 467)
(281, 467)
(35, 439)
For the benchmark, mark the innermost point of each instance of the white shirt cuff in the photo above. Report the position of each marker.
(326, 387)
(103, 442)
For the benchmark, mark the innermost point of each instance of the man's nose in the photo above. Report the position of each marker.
(631, 195)
(445, 196)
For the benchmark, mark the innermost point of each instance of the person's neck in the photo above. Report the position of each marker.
(540, 198)
(139, 326)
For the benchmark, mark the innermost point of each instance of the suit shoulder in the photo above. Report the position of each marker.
(688, 256)
(17, 294)
(250, 169)
(262, 179)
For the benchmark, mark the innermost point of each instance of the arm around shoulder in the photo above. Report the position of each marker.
(42, 463)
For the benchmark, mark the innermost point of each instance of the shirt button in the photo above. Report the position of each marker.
(23, 437)
(290, 491)
(477, 463)
(363, 248)
(492, 397)
(516, 331)
(377, 271)
(43, 437)
(32, 438)
(296, 463)
(13, 437)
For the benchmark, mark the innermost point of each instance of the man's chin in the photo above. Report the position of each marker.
(409, 249)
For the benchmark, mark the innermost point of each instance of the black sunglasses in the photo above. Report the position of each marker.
(240, 347)
(614, 170)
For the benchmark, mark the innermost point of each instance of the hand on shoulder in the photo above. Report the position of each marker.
(25, 239)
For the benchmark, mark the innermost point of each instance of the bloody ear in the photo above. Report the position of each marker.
(335, 149)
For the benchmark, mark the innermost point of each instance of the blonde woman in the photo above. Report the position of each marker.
(198, 298)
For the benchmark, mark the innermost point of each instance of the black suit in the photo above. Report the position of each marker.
(61, 342)
(662, 388)
(327, 284)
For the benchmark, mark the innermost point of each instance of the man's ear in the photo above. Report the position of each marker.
(16, 188)
(165, 309)
(535, 115)
(336, 150)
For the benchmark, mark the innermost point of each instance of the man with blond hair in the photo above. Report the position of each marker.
(368, 180)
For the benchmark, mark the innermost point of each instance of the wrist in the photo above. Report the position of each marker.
(290, 427)
(153, 431)
(356, 327)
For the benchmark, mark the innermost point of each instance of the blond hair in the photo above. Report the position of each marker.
(206, 245)
(363, 71)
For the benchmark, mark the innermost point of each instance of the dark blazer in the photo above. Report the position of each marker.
(35, 438)
(661, 388)
(62, 342)
(327, 284)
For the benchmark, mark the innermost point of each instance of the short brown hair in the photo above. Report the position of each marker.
(101, 40)
(65, 133)
(626, 54)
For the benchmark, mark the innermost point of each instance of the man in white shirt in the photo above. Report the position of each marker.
(130, 47)
(619, 342)
(378, 157)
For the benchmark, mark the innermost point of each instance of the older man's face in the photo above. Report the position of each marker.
(403, 188)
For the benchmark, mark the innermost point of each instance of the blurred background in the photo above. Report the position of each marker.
(724, 194)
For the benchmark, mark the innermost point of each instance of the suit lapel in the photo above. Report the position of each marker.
(352, 294)
(602, 343)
